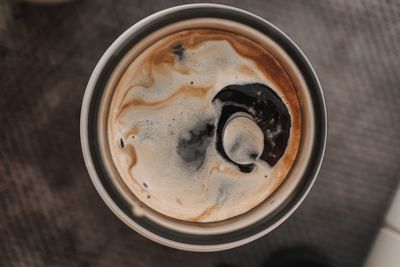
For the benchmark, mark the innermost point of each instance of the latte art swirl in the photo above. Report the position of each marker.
(204, 125)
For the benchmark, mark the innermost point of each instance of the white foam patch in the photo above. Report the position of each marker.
(243, 139)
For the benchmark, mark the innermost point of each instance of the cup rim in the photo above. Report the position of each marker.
(99, 175)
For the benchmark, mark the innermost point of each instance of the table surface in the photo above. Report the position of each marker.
(50, 213)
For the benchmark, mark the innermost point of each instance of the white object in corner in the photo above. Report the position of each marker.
(386, 249)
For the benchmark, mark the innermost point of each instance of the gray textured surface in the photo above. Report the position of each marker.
(50, 214)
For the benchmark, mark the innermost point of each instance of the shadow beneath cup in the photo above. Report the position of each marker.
(292, 257)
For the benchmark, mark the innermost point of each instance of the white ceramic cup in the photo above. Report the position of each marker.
(234, 231)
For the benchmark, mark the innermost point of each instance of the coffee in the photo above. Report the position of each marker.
(204, 125)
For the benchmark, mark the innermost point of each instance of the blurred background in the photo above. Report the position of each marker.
(50, 213)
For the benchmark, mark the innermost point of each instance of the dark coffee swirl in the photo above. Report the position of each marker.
(267, 110)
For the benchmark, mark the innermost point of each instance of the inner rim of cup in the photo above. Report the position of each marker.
(241, 221)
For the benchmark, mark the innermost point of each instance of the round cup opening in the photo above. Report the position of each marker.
(236, 230)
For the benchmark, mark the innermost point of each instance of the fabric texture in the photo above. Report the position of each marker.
(50, 213)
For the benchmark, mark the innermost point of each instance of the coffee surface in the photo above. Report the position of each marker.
(204, 125)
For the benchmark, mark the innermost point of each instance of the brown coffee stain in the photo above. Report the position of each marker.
(142, 76)
(245, 70)
(159, 62)
(166, 66)
(191, 91)
(227, 170)
(178, 200)
(162, 57)
(130, 149)
(203, 215)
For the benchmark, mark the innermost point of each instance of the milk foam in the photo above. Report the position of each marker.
(242, 139)
(162, 123)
